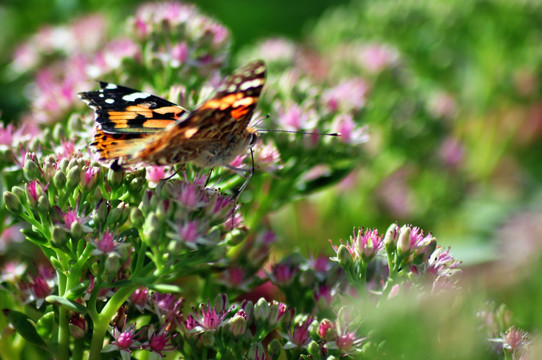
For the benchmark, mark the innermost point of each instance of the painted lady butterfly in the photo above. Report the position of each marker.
(136, 127)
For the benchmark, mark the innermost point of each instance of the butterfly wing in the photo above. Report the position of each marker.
(126, 118)
(218, 125)
(122, 110)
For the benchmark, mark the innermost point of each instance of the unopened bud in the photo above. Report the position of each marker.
(114, 178)
(344, 257)
(76, 229)
(102, 211)
(136, 217)
(256, 351)
(327, 330)
(74, 177)
(261, 310)
(112, 263)
(43, 204)
(58, 132)
(151, 228)
(60, 236)
(221, 303)
(208, 339)
(63, 164)
(314, 350)
(136, 185)
(403, 243)
(19, 192)
(60, 180)
(274, 349)
(390, 240)
(114, 215)
(238, 324)
(13, 204)
(31, 169)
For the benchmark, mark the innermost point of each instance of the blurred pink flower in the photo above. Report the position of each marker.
(350, 132)
(276, 49)
(442, 105)
(451, 151)
(377, 57)
(349, 95)
(296, 118)
(112, 56)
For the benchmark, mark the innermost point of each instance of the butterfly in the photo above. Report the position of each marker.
(135, 127)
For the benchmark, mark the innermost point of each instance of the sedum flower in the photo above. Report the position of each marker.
(158, 341)
(124, 341)
(140, 298)
(205, 319)
(298, 336)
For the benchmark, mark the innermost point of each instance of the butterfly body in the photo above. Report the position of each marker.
(135, 127)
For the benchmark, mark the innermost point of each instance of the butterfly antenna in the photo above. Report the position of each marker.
(299, 132)
(261, 119)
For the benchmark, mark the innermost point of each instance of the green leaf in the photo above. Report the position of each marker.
(165, 288)
(69, 304)
(45, 325)
(78, 290)
(24, 325)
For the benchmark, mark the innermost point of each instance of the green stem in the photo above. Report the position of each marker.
(104, 318)
(63, 334)
(78, 349)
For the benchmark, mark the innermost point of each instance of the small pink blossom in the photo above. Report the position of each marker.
(106, 244)
(155, 174)
(124, 341)
(139, 298)
(238, 161)
(299, 336)
(70, 217)
(189, 232)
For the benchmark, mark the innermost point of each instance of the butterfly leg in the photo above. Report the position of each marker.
(250, 172)
(208, 178)
(181, 168)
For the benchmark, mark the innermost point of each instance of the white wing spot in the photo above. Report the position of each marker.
(135, 96)
(109, 101)
(250, 84)
(111, 86)
(101, 94)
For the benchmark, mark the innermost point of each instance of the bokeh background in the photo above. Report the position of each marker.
(455, 123)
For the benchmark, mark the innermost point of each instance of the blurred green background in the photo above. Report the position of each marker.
(456, 128)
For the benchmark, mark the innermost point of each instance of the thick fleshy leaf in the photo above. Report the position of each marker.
(24, 325)
(69, 304)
